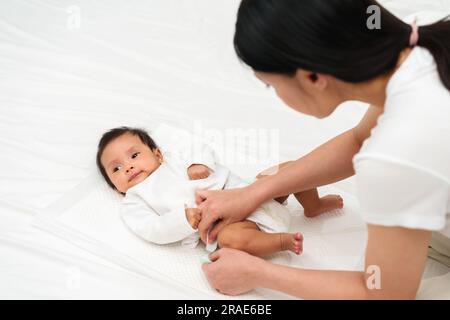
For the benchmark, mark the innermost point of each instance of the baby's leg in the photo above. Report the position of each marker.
(309, 199)
(313, 205)
(247, 237)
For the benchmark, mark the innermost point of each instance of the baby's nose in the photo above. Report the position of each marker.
(130, 168)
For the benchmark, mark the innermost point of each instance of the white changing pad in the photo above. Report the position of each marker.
(88, 216)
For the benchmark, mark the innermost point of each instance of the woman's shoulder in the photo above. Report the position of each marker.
(417, 77)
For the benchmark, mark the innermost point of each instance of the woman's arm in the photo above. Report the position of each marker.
(328, 163)
(395, 260)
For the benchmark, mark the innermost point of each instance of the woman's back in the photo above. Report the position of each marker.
(403, 169)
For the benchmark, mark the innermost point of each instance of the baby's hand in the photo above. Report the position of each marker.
(198, 171)
(193, 216)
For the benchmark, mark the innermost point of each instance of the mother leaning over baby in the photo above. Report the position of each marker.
(316, 55)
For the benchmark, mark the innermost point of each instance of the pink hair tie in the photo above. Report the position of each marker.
(414, 39)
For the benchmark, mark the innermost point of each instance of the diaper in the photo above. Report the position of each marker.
(271, 217)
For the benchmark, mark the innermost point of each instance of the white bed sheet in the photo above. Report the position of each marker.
(134, 63)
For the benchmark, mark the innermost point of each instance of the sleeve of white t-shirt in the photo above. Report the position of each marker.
(397, 194)
(151, 226)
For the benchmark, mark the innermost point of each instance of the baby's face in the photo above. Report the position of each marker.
(128, 161)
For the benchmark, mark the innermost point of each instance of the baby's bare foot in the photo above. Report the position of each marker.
(292, 242)
(327, 203)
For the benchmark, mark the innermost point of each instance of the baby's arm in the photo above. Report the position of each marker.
(193, 215)
(200, 160)
(187, 151)
(170, 227)
(197, 153)
(198, 171)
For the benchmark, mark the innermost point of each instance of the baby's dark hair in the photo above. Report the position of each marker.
(114, 134)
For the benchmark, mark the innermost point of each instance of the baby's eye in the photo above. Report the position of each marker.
(117, 168)
(135, 155)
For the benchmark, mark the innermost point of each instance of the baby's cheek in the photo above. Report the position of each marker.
(120, 184)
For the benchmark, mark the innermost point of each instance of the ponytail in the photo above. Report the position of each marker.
(436, 38)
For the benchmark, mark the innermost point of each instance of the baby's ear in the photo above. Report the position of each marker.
(158, 153)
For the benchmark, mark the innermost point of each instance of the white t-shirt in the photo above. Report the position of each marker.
(403, 168)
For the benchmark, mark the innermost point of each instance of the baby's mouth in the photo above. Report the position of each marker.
(134, 176)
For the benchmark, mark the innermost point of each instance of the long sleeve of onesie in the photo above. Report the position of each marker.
(151, 226)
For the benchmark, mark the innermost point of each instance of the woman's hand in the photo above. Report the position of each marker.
(223, 207)
(198, 171)
(233, 272)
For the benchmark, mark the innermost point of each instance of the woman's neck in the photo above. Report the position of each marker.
(374, 91)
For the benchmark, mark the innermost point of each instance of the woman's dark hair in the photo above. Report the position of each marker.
(331, 37)
(114, 134)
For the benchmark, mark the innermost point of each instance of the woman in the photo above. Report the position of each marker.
(316, 55)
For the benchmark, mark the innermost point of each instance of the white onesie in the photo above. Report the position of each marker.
(155, 208)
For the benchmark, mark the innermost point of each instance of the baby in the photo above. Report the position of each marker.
(159, 186)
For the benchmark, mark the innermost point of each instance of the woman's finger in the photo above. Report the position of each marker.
(215, 255)
(200, 196)
(205, 224)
